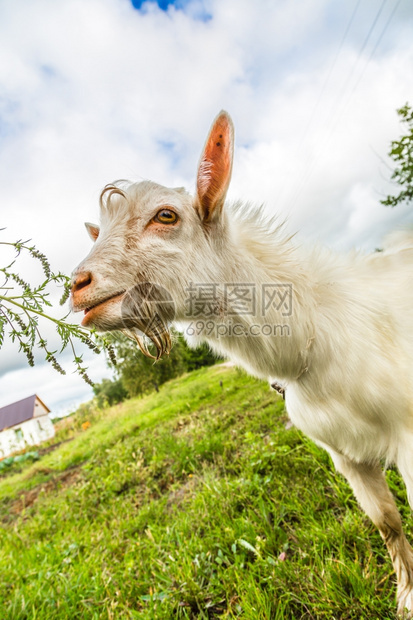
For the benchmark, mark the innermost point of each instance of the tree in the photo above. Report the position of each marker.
(199, 357)
(140, 374)
(109, 392)
(401, 153)
(22, 305)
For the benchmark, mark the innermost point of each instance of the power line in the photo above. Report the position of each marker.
(396, 6)
(337, 116)
(327, 79)
(323, 88)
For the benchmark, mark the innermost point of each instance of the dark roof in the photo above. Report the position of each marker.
(18, 412)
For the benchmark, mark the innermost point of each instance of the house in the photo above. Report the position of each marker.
(24, 423)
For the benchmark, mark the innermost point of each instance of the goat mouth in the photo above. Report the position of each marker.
(92, 311)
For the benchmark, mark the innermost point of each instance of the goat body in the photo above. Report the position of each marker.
(337, 331)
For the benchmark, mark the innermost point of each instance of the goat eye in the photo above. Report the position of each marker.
(166, 216)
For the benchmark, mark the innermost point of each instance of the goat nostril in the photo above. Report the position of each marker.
(82, 281)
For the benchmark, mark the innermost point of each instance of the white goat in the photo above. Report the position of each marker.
(336, 332)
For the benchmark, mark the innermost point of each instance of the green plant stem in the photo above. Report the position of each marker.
(46, 316)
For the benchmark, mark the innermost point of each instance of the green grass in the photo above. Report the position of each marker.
(196, 502)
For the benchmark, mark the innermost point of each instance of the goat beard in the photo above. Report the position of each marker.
(162, 341)
(147, 313)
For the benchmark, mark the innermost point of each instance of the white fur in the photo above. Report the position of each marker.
(347, 363)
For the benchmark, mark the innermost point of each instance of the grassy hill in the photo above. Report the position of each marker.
(197, 502)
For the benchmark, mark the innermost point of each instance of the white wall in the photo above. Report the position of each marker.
(28, 433)
(39, 409)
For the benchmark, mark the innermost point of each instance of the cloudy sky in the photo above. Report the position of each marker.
(96, 90)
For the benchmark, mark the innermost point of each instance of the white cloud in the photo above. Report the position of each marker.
(93, 90)
(59, 392)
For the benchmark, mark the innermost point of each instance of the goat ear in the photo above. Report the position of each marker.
(215, 167)
(93, 230)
